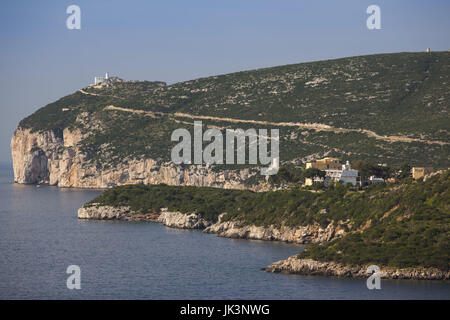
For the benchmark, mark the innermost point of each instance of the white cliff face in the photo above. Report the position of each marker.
(183, 221)
(30, 162)
(171, 219)
(55, 158)
(303, 234)
(103, 212)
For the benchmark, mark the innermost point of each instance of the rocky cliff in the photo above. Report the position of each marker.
(54, 157)
(293, 265)
(182, 221)
(303, 234)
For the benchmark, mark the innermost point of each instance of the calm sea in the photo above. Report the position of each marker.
(40, 236)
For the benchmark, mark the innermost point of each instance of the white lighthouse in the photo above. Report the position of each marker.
(98, 80)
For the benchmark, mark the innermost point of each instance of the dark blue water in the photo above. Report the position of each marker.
(40, 236)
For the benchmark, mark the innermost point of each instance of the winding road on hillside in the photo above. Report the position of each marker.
(309, 126)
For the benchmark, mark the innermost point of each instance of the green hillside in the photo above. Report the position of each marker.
(416, 232)
(401, 94)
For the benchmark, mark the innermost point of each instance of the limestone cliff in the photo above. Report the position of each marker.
(302, 234)
(171, 219)
(183, 221)
(54, 157)
(104, 213)
(114, 213)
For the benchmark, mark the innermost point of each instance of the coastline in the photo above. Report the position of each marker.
(227, 229)
(299, 235)
(293, 265)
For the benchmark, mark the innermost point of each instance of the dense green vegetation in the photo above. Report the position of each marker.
(416, 233)
(391, 94)
(128, 136)
(409, 222)
(288, 207)
(208, 202)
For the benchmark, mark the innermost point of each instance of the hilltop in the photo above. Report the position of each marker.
(385, 108)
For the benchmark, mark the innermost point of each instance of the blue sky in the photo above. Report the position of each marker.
(41, 60)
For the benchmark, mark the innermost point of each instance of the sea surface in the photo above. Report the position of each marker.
(40, 236)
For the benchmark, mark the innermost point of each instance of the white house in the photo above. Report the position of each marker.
(375, 180)
(345, 175)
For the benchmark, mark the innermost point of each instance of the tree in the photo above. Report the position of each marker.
(367, 169)
(405, 171)
(314, 172)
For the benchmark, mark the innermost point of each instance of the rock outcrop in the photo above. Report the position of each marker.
(103, 212)
(293, 265)
(303, 234)
(183, 221)
(54, 158)
(96, 212)
(171, 219)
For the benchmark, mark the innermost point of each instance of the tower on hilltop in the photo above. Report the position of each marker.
(98, 80)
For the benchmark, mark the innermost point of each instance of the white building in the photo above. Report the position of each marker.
(375, 180)
(345, 175)
(98, 80)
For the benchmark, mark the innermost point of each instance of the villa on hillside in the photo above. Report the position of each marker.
(344, 175)
(334, 172)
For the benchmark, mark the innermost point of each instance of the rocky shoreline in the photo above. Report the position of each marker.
(114, 213)
(227, 229)
(235, 229)
(294, 265)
